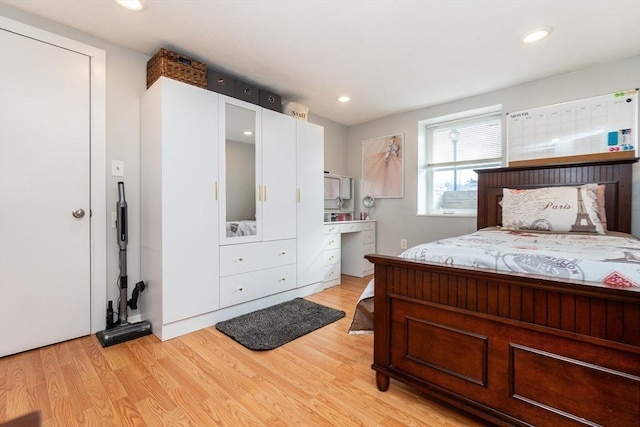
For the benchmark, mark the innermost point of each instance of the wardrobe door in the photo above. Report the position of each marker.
(241, 189)
(179, 206)
(189, 207)
(310, 208)
(278, 176)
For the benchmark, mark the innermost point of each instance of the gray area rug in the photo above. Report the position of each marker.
(279, 324)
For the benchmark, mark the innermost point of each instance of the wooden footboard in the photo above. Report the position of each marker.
(510, 349)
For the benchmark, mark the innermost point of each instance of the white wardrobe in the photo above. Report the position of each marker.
(231, 207)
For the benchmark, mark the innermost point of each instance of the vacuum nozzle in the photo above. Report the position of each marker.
(133, 302)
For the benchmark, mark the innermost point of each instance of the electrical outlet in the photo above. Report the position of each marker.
(403, 243)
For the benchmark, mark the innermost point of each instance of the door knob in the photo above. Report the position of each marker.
(78, 213)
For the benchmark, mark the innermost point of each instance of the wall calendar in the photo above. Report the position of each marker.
(601, 125)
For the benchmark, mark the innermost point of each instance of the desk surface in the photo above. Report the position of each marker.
(349, 222)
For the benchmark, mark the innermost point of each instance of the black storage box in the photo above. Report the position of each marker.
(270, 100)
(246, 92)
(219, 82)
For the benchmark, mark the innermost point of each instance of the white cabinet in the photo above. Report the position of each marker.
(179, 210)
(345, 245)
(231, 207)
(358, 240)
(332, 245)
(309, 216)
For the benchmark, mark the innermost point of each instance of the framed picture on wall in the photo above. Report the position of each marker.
(383, 166)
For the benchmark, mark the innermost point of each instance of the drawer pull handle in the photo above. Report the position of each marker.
(240, 259)
(283, 279)
(282, 253)
(331, 257)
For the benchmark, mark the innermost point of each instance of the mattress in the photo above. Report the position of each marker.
(607, 260)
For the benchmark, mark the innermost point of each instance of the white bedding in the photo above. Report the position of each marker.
(241, 228)
(609, 260)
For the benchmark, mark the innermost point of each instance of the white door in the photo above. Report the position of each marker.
(45, 285)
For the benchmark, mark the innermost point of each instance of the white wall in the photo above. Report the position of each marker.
(397, 217)
(335, 144)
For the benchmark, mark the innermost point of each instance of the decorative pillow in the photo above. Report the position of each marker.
(559, 209)
(601, 210)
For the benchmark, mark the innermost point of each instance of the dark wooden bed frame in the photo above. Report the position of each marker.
(515, 350)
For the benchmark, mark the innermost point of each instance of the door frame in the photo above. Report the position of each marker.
(98, 207)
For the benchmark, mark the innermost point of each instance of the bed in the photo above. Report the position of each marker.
(515, 348)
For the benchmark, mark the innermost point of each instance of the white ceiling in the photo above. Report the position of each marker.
(388, 56)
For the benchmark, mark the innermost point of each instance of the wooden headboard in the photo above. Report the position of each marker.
(615, 175)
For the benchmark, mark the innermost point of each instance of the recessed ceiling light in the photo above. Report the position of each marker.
(131, 4)
(344, 99)
(248, 132)
(536, 35)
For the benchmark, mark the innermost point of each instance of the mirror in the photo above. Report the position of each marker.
(331, 187)
(368, 202)
(240, 166)
(337, 186)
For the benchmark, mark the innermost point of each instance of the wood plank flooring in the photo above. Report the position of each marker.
(207, 379)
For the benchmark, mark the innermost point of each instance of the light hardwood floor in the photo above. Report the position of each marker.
(207, 379)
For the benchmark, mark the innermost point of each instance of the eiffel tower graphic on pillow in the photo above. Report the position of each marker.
(583, 222)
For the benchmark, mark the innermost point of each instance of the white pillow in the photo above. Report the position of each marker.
(558, 209)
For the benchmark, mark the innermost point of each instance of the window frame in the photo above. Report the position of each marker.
(427, 168)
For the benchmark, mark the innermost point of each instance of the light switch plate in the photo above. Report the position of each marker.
(117, 168)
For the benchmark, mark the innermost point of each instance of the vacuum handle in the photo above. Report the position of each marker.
(121, 209)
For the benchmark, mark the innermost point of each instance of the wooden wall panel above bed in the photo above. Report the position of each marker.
(615, 175)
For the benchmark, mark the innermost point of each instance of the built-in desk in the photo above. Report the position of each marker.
(345, 245)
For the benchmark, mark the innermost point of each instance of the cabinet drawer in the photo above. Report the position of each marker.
(331, 256)
(369, 225)
(331, 228)
(244, 287)
(332, 272)
(331, 241)
(368, 236)
(367, 268)
(236, 259)
(369, 248)
(351, 227)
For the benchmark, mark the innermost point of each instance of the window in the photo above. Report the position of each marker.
(451, 148)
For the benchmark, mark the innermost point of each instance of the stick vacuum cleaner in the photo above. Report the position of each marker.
(121, 330)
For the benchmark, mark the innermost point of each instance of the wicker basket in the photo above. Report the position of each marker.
(177, 67)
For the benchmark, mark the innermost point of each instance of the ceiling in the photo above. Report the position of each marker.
(388, 56)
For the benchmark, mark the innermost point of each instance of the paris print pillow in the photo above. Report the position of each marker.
(557, 209)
